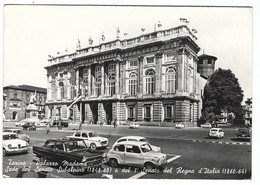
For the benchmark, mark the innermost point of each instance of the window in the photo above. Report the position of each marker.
(200, 62)
(40, 100)
(170, 80)
(209, 62)
(131, 112)
(168, 112)
(119, 148)
(84, 135)
(49, 144)
(112, 85)
(15, 95)
(111, 67)
(147, 113)
(77, 134)
(61, 85)
(150, 81)
(133, 149)
(133, 63)
(98, 85)
(59, 146)
(121, 140)
(150, 60)
(133, 84)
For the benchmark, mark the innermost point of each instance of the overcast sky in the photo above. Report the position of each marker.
(31, 33)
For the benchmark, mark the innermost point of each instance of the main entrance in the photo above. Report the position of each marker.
(94, 110)
(109, 112)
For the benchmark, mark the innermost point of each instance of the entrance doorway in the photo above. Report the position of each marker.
(15, 115)
(94, 110)
(109, 112)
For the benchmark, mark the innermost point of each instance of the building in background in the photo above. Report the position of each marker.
(17, 98)
(248, 111)
(152, 79)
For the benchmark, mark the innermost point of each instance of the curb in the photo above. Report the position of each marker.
(221, 142)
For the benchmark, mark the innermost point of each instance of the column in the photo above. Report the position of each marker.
(158, 72)
(117, 78)
(89, 80)
(102, 79)
(77, 82)
(140, 75)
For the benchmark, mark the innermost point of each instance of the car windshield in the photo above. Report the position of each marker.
(93, 134)
(10, 136)
(243, 130)
(75, 146)
(214, 130)
(145, 148)
(18, 131)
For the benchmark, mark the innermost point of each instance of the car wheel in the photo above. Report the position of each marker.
(93, 146)
(149, 166)
(4, 152)
(42, 159)
(113, 162)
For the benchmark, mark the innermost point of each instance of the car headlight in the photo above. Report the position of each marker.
(84, 159)
(156, 159)
(104, 155)
(27, 144)
(9, 146)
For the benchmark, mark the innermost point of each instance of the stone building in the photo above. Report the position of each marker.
(150, 79)
(17, 98)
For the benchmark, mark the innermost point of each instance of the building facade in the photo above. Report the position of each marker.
(17, 98)
(150, 79)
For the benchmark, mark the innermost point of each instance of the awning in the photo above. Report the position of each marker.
(75, 101)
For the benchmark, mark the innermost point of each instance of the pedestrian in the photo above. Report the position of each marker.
(48, 126)
(59, 124)
(115, 123)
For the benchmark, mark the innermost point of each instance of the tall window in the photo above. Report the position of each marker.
(133, 83)
(170, 80)
(150, 81)
(98, 85)
(168, 112)
(15, 96)
(150, 60)
(112, 84)
(133, 63)
(131, 113)
(61, 85)
(147, 113)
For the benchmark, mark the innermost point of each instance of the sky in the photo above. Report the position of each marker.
(31, 33)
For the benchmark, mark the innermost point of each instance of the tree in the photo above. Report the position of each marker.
(222, 92)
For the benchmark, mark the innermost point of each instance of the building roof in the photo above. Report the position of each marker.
(207, 56)
(27, 88)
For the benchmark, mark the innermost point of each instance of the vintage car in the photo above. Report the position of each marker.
(12, 144)
(134, 153)
(206, 125)
(29, 126)
(92, 139)
(243, 133)
(140, 139)
(27, 121)
(20, 133)
(43, 122)
(179, 125)
(134, 125)
(69, 153)
(216, 132)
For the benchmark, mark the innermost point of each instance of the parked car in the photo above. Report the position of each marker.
(20, 133)
(216, 132)
(27, 121)
(20, 123)
(92, 139)
(29, 126)
(70, 151)
(12, 144)
(243, 133)
(64, 123)
(43, 122)
(206, 125)
(179, 125)
(134, 153)
(134, 125)
(140, 139)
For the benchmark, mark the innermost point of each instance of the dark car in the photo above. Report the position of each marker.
(67, 153)
(29, 126)
(64, 123)
(243, 133)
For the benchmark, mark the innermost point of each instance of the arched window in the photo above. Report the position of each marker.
(150, 81)
(112, 84)
(61, 85)
(133, 83)
(170, 79)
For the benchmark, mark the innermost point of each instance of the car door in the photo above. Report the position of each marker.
(85, 136)
(60, 154)
(133, 155)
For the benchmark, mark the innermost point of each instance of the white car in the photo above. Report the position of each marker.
(134, 153)
(179, 125)
(20, 133)
(140, 139)
(206, 125)
(43, 123)
(12, 144)
(27, 120)
(134, 125)
(92, 139)
(216, 132)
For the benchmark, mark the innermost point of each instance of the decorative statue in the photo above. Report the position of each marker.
(33, 98)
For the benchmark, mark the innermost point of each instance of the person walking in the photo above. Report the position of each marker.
(48, 126)
(115, 123)
(59, 124)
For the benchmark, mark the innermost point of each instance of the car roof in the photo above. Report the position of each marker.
(85, 131)
(131, 143)
(130, 137)
(13, 129)
(8, 133)
(216, 129)
(64, 139)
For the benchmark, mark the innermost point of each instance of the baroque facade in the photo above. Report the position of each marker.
(17, 98)
(151, 79)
